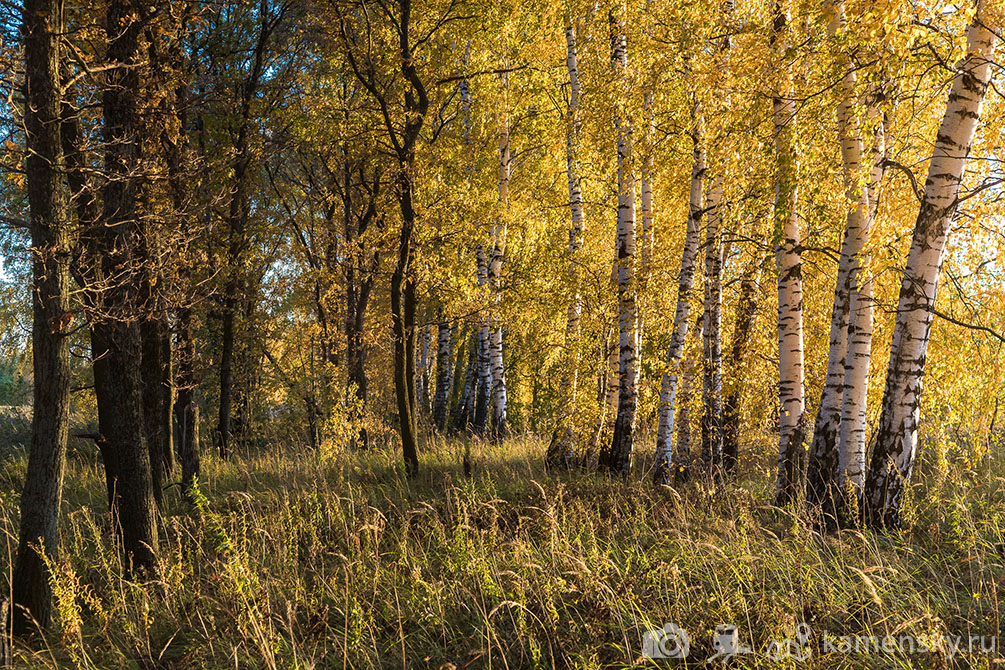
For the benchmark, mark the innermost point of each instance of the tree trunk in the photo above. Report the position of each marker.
(499, 427)
(359, 280)
(483, 397)
(187, 410)
(822, 470)
(466, 401)
(618, 459)
(444, 372)
(711, 422)
(683, 463)
(403, 322)
(425, 363)
(238, 215)
(51, 320)
(4, 634)
(563, 440)
(896, 440)
(788, 260)
(226, 402)
(115, 336)
(851, 452)
(852, 445)
(746, 309)
(646, 196)
(689, 257)
(158, 398)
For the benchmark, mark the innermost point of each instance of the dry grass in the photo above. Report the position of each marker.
(295, 562)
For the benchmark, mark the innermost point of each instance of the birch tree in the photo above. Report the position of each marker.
(618, 458)
(446, 334)
(499, 427)
(682, 313)
(560, 451)
(683, 461)
(711, 420)
(823, 456)
(896, 439)
(788, 261)
(852, 439)
(483, 392)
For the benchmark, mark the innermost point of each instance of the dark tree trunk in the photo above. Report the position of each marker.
(190, 450)
(402, 140)
(403, 321)
(223, 426)
(745, 311)
(116, 343)
(187, 410)
(483, 388)
(42, 495)
(359, 285)
(239, 214)
(158, 397)
(247, 365)
(466, 397)
(117, 385)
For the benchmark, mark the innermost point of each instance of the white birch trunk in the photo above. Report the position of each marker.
(619, 457)
(499, 426)
(560, 451)
(711, 420)
(822, 469)
(483, 396)
(689, 257)
(896, 440)
(646, 196)
(788, 261)
(851, 452)
(610, 386)
(852, 439)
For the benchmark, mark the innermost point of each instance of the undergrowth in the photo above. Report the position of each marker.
(288, 560)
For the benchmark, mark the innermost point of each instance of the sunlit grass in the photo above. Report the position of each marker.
(296, 561)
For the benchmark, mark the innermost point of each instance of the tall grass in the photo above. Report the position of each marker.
(294, 561)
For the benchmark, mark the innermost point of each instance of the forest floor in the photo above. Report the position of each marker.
(292, 561)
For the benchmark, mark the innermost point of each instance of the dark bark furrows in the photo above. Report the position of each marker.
(51, 320)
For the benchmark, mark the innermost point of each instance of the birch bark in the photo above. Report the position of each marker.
(689, 257)
(444, 371)
(822, 469)
(788, 261)
(711, 420)
(852, 441)
(619, 457)
(560, 451)
(896, 441)
(499, 427)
